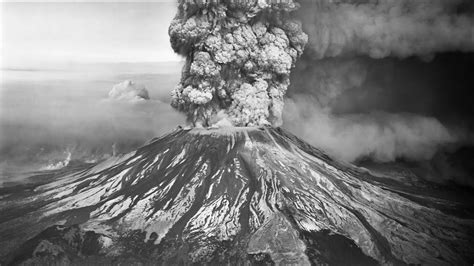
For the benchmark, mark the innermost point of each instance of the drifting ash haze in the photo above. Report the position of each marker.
(384, 79)
(381, 28)
(40, 128)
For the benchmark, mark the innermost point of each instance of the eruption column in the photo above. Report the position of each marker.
(239, 55)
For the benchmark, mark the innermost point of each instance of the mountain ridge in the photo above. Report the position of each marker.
(245, 195)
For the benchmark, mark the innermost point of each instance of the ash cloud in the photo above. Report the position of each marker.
(381, 28)
(378, 74)
(381, 136)
(384, 79)
(238, 59)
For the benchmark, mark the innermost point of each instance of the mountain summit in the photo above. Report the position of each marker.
(236, 195)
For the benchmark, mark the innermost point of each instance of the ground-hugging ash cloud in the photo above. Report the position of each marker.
(381, 136)
(239, 55)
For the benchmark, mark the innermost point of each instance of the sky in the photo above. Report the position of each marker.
(39, 33)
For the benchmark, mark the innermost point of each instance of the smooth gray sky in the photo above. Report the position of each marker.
(38, 33)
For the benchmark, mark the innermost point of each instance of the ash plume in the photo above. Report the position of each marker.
(369, 75)
(238, 59)
(381, 28)
(384, 79)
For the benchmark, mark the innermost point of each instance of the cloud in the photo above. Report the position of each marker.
(238, 60)
(383, 79)
(381, 136)
(382, 28)
(129, 91)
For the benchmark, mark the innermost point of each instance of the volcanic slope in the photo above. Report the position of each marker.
(237, 195)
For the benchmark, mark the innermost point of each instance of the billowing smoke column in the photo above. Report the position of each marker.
(238, 59)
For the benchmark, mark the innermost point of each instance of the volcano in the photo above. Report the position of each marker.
(232, 196)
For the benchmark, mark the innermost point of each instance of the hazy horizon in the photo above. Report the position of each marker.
(44, 34)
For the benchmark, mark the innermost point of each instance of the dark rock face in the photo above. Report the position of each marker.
(235, 196)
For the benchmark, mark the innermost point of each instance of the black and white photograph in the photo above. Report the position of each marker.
(237, 132)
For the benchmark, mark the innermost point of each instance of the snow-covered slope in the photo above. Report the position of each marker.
(239, 195)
